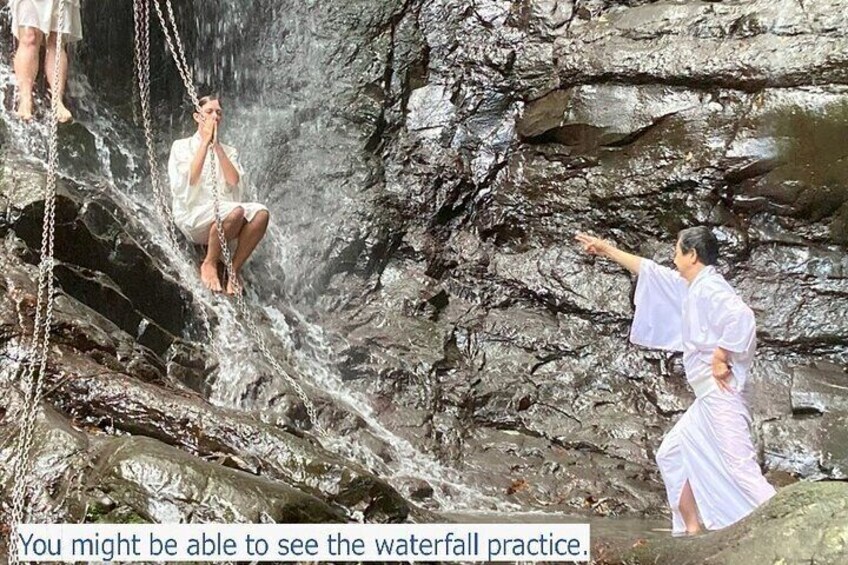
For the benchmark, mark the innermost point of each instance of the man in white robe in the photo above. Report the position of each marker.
(193, 204)
(707, 460)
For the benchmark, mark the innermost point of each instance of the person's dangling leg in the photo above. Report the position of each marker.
(57, 90)
(26, 68)
(249, 238)
(233, 225)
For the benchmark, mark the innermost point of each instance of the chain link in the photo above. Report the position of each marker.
(142, 60)
(141, 17)
(210, 176)
(32, 378)
(176, 47)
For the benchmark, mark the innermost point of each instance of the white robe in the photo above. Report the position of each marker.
(710, 446)
(193, 205)
(44, 15)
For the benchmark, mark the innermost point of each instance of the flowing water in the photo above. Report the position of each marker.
(304, 184)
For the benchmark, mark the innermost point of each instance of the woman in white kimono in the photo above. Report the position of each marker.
(32, 20)
(192, 199)
(707, 460)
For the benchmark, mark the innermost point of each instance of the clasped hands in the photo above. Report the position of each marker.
(209, 133)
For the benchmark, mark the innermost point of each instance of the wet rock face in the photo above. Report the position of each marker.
(480, 330)
(230, 438)
(61, 459)
(105, 385)
(88, 477)
(707, 44)
(807, 522)
(106, 262)
(166, 486)
(431, 165)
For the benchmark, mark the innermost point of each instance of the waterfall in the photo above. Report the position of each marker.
(267, 61)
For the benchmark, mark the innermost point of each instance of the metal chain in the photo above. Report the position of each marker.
(141, 16)
(177, 51)
(33, 375)
(142, 61)
(180, 52)
(210, 176)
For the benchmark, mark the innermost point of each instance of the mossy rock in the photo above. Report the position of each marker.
(803, 523)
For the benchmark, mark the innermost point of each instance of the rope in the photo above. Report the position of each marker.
(209, 175)
(33, 375)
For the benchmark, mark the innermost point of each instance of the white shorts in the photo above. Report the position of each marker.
(197, 228)
(44, 15)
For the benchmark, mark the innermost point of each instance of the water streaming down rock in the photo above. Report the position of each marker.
(284, 104)
(243, 380)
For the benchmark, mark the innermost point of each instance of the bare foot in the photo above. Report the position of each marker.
(231, 288)
(687, 533)
(24, 110)
(65, 115)
(209, 276)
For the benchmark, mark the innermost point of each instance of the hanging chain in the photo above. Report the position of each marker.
(141, 17)
(142, 60)
(176, 47)
(209, 175)
(36, 365)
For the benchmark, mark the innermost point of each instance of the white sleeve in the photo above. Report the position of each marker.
(733, 321)
(240, 189)
(658, 320)
(179, 164)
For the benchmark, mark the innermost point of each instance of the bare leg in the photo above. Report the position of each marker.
(249, 238)
(233, 224)
(26, 68)
(57, 90)
(689, 510)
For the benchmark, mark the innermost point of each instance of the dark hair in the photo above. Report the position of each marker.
(201, 102)
(702, 240)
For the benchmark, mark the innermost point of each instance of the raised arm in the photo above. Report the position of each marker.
(207, 135)
(597, 246)
(231, 173)
(657, 321)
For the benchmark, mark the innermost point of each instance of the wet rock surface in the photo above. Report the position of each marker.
(804, 523)
(61, 461)
(103, 380)
(165, 485)
(105, 259)
(85, 476)
(428, 164)
(481, 333)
